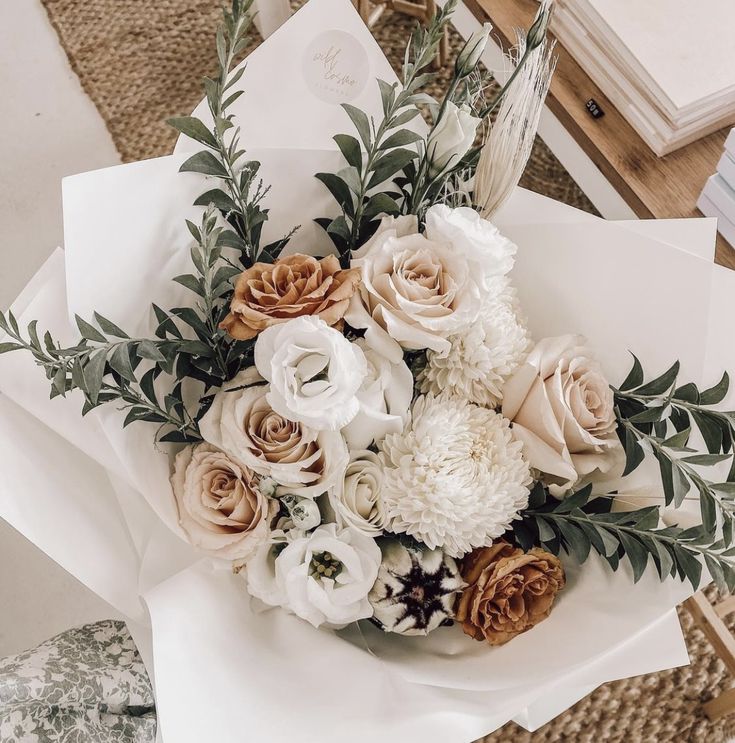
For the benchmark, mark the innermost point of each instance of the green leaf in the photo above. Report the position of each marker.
(688, 565)
(401, 138)
(674, 482)
(350, 148)
(230, 239)
(635, 376)
(715, 570)
(575, 500)
(576, 540)
(339, 189)
(716, 394)
(190, 282)
(405, 116)
(705, 460)
(148, 350)
(174, 437)
(8, 347)
(219, 199)
(94, 372)
(710, 429)
(390, 164)
(678, 440)
(194, 128)
(351, 177)
(537, 496)
(147, 385)
(339, 227)
(649, 415)
(119, 360)
(109, 327)
(664, 561)
(381, 203)
(545, 532)
(708, 509)
(636, 553)
(89, 332)
(387, 95)
(661, 384)
(361, 122)
(603, 541)
(687, 393)
(633, 453)
(205, 163)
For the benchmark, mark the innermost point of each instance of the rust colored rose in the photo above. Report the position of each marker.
(508, 591)
(270, 293)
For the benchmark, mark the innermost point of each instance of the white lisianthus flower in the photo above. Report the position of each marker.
(292, 457)
(489, 253)
(385, 396)
(414, 293)
(314, 371)
(484, 356)
(455, 477)
(358, 502)
(323, 577)
(451, 138)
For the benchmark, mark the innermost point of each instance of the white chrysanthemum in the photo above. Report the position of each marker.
(483, 356)
(455, 477)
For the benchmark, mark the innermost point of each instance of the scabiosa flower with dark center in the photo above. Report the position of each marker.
(415, 589)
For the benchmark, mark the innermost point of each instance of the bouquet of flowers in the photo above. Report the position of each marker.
(357, 421)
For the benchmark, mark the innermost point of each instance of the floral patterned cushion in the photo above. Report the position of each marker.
(87, 685)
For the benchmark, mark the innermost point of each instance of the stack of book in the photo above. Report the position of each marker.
(667, 65)
(718, 196)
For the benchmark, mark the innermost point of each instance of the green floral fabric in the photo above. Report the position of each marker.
(87, 685)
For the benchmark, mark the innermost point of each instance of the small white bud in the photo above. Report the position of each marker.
(472, 51)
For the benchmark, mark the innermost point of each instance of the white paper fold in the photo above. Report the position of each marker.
(102, 507)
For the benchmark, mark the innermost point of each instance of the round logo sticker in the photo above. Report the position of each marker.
(336, 67)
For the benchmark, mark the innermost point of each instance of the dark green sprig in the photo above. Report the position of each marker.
(580, 524)
(103, 366)
(108, 366)
(658, 416)
(240, 201)
(385, 149)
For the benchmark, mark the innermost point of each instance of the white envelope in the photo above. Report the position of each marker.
(301, 75)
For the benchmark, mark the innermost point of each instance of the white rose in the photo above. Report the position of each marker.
(314, 371)
(220, 506)
(358, 502)
(299, 459)
(489, 253)
(451, 138)
(323, 577)
(414, 294)
(562, 409)
(384, 397)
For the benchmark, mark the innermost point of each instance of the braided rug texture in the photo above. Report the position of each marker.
(141, 61)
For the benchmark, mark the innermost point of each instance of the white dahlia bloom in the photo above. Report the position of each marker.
(482, 357)
(455, 477)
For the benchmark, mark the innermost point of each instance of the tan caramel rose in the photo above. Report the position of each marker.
(296, 285)
(508, 592)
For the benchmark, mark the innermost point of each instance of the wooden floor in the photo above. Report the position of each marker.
(654, 187)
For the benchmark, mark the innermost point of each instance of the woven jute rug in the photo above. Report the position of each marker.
(141, 61)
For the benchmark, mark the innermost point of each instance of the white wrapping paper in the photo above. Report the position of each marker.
(102, 506)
